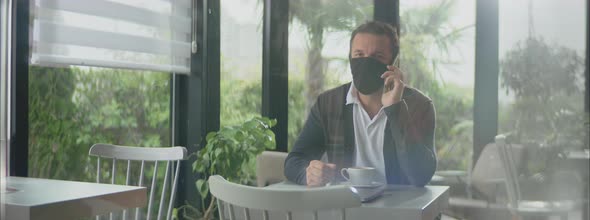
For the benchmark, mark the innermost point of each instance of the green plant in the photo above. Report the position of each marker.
(228, 153)
(546, 114)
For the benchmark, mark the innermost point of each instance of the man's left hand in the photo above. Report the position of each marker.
(393, 78)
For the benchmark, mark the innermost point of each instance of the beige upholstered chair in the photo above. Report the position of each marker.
(270, 168)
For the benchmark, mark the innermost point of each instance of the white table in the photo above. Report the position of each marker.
(397, 202)
(32, 198)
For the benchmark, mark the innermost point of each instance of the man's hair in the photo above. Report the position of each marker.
(378, 28)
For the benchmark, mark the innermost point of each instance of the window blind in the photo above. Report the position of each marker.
(130, 34)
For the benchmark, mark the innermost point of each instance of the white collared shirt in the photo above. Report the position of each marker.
(368, 135)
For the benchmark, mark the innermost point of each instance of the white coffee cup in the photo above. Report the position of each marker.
(360, 175)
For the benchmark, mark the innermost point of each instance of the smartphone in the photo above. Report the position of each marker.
(390, 86)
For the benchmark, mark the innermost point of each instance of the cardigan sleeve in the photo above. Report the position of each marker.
(308, 146)
(413, 135)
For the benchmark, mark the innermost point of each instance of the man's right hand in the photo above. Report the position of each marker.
(319, 173)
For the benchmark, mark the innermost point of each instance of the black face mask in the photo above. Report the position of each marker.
(366, 74)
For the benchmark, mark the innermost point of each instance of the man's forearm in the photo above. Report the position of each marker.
(308, 146)
(295, 165)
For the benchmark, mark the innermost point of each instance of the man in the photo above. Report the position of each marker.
(367, 123)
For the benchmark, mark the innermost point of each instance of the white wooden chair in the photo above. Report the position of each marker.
(279, 200)
(517, 205)
(145, 156)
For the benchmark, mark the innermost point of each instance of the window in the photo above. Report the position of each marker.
(318, 51)
(241, 60)
(102, 83)
(4, 50)
(541, 92)
(438, 56)
(70, 109)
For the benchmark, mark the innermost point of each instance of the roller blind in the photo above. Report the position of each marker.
(130, 34)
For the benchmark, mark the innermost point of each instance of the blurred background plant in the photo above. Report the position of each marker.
(546, 115)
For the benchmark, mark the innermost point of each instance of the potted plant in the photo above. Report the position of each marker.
(229, 152)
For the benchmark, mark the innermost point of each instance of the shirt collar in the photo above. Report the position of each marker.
(352, 95)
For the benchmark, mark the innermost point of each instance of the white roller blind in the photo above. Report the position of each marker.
(131, 34)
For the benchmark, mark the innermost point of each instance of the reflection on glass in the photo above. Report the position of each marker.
(319, 35)
(437, 56)
(541, 92)
(241, 60)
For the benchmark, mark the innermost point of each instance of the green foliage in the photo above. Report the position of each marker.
(545, 81)
(547, 112)
(330, 15)
(232, 147)
(52, 132)
(320, 17)
(229, 152)
(427, 29)
(72, 108)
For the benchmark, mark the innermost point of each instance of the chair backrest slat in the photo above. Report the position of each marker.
(141, 175)
(97, 176)
(152, 190)
(114, 172)
(141, 169)
(130, 154)
(220, 209)
(173, 192)
(127, 180)
(265, 215)
(510, 149)
(232, 215)
(510, 170)
(164, 188)
(246, 214)
(289, 216)
(98, 170)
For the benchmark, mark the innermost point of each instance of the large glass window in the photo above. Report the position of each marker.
(319, 35)
(541, 95)
(73, 106)
(241, 60)
(70, 109)
(438, 57)
(3, 88)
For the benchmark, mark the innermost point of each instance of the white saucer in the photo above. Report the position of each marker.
(372, 185)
